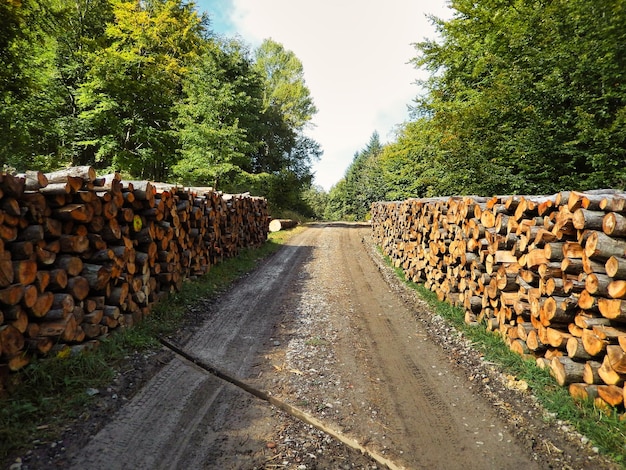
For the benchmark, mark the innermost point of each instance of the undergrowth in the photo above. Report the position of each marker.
(43, 398)
(605, 430)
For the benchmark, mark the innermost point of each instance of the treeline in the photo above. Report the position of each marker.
(524, 97)
(145, 88)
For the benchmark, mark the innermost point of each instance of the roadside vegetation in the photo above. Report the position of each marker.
(605, 429)
(52, 392)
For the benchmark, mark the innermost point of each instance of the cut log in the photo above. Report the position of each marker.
(576, 349)
(85, 173)
(600, 246)
(617, 358)
(566, 371)
(11, 340)
(616, 267)
(73, 265)
(276, 225)
(78, 287)
(593, 344)
(608, 375)
(12, 295)
(611, 394)
(583, 391)
(590, 374)
(613, 309)
(589, 220)
(24, 271)
(42, 305)
(614, 225)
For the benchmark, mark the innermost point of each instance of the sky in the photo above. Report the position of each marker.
(355, 55)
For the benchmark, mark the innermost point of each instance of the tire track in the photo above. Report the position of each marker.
(435, 421)
(169, 421)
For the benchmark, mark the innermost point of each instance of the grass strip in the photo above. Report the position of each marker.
(47, 395)
(605, 430)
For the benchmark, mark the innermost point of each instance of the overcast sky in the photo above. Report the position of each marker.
(355, 55)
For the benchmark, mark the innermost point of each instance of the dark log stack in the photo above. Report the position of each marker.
(81, 255)
(547, 273)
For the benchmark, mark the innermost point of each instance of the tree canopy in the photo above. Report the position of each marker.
(144, 88)
(522, 97)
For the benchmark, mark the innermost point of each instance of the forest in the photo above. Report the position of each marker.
(522, 97)
(145, 88)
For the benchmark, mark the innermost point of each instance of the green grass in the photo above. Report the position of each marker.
(606, 432)
(48, 394)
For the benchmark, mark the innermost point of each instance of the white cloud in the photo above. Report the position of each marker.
(355, 55)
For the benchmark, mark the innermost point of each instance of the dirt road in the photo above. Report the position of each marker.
(318, 327)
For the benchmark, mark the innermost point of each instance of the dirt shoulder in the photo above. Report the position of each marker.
(322, 325)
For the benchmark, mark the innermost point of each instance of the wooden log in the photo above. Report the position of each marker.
(78, 287)
(586, 219)
(42, 305)
(40, 345)
(12, 294)
(590, 374)
(566, 371)
(72, 265)
(24, 271)
(7, 274)
(614, 225)
(593, 344)
(557, 339)
(30, 295)
(616, 267)
(97, 276)
(613, 309)
(600, 246)
(74, 243)
(74, 212)
(583, 391)
(587, 301)
(11, 340)
(611, 394)
(576, 349)
(53, 328)
(597, 284)
(33, 180)
(277, 225)
(608, 375)
(587, 321)
(85, 173)
(617, 289)
(617, 358)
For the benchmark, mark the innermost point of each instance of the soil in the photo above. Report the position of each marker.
(322, 325)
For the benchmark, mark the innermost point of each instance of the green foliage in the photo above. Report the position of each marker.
(285, 88)
(526, 96)
(220, 116)
(316, 200)
(144, 89)
(29, 91)
(363, 184)
(134, 83)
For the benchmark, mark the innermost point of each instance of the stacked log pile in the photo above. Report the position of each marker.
(547, 273)
(81, 255)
